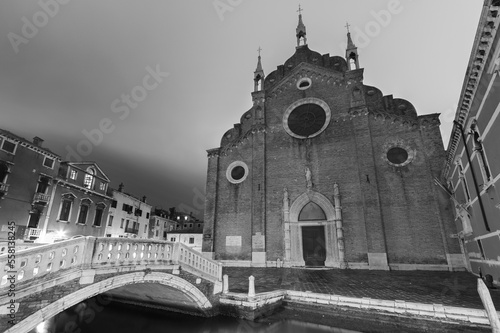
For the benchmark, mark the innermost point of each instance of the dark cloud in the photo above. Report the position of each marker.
(64, 80)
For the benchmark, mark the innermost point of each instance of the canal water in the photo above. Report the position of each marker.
(97, 315)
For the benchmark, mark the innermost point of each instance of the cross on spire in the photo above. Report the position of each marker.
(300, 10)
(258, 50)
(347, 26)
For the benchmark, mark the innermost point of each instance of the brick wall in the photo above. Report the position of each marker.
(385, 209)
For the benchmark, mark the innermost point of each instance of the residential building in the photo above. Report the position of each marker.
(27, 173)
(79, 204)
(190, 234)
(160, 223)
(472, 169)
(184, 221)
(128, 216)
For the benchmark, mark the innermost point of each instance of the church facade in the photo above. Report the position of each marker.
(324, 170)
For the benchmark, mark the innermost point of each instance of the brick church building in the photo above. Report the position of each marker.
(324, 170)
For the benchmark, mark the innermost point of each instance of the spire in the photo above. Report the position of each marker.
(258, 75)
(350, 44)
(351, 53)
(301, 29)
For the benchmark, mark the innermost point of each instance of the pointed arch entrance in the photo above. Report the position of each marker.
(310, 231)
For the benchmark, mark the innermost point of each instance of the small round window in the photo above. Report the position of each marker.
(237, 172)
(304, 83)
(397, 156)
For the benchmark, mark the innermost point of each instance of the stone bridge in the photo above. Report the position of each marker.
(43, 281)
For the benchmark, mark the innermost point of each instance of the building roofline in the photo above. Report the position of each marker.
(28, 144)
(89, 162)
(473, 75)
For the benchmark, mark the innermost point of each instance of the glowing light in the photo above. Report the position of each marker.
(40, 328)
(60, 234)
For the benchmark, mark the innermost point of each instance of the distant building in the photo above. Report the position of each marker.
(160, 223)
(187, 222)
(190, 238)
(27, 173)
(188, 230)
(128, 215)
(475, 167)
(78, 203)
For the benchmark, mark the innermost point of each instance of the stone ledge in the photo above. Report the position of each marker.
(437, 311)
(418, 267)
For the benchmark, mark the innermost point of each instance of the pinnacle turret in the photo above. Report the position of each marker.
(258, 75)
(300, 32)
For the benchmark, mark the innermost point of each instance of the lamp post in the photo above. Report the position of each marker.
(474, 180)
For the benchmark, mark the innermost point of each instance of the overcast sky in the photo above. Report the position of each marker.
(187, 68)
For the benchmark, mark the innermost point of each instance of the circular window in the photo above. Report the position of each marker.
(397, 155)
(304, 83)
(306, 118)
(237, 172)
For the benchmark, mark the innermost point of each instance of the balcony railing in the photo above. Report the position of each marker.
(132, 231)
(41, 197)
(4, 187)
(34, 232)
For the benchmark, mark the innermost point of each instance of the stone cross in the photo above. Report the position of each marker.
(347, 25)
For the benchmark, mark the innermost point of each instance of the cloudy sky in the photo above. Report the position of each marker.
(155, 83)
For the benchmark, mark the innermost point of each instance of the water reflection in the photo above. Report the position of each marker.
(93, 316)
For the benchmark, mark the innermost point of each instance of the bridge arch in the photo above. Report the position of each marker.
(100, 287)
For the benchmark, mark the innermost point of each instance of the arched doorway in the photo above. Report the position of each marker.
(313, 234)
(310, 232)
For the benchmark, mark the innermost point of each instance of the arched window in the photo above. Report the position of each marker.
(88, 181)
(352, 61)
(312, 212)
(34, 217)
(84, 211)
(99, 212)
(66, 205)
(43, 184)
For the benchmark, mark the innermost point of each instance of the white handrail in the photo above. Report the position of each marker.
(91, 252)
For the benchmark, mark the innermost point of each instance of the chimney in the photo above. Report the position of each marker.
(120, 187)
(37, 141)
(144, 199)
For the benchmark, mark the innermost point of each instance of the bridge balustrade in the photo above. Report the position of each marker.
(38, 261)
(196, 263)
(89, 252)
(123, 251)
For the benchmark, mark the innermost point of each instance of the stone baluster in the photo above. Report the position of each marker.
(251, 286)
(225, 288)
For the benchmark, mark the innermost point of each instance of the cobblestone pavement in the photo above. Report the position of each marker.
(447, 288)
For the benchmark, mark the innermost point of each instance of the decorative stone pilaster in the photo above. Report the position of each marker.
(286, 224)
(338, 225)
